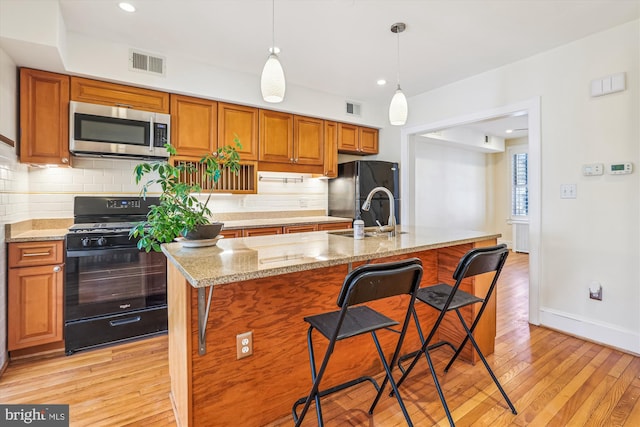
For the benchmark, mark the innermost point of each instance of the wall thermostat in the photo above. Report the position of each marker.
(593, 169)
(620, 168)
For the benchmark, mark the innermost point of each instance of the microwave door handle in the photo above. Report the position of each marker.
(151, 133)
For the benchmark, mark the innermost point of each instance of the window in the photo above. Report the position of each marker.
(519, 183)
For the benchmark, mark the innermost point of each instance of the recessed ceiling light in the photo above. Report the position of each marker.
(127, 7)
(509, 131)
(381, 82)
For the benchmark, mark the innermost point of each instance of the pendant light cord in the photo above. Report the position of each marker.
(398, 68)
(273, 26)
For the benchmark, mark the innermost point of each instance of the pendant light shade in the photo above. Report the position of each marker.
(272, 83)
(398, 109)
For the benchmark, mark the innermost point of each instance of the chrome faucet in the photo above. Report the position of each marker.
(391, 224)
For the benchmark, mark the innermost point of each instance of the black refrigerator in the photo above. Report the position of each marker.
(355, 180)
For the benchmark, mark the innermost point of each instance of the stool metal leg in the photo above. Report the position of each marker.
(316, 376)
(486, 365)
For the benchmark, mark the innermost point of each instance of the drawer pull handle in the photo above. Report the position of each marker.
(125, 321)
(37, 254)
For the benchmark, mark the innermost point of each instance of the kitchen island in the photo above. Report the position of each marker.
(267, 285)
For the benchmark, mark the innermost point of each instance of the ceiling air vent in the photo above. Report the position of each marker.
(147, 63)
(353, 109)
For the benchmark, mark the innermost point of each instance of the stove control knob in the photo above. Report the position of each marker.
(102, 241)
(86, 242)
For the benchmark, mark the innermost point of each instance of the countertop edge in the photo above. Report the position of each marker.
(258, 274)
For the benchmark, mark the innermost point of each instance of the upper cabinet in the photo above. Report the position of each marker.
(194, 128)
(368, 140)
(308, 141)
(97, 92)
(354, 139)
(44, 117)
(330, 149)
(241, 121)
(290, 143)
(276, 137)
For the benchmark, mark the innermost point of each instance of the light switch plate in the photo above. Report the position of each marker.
(568, 191)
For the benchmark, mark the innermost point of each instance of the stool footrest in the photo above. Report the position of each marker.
(414, 353)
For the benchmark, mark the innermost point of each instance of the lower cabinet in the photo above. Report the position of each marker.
(262, 231)
(35, 294)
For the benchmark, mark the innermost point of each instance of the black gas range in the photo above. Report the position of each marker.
(113, 291)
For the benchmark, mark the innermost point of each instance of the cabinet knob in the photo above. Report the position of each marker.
(65, 160)
(56, 269)
(291, 160)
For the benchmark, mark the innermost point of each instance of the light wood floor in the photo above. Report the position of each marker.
(553, 380)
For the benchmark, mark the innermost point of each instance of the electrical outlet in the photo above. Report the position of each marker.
(244, 344)
(595, 291)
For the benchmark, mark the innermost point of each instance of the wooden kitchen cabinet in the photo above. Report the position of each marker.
(330, 149)
(243, 122)
(276, 137)
(290, 143)
(35, 294)
(303, 228)
(262, 231)
(354, 139)
(105, 93)
(368, 140)
(194, 128)
(44, 117)
(231, 234)
(334, 226)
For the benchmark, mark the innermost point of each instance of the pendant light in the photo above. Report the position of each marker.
(272, 81)
(398, 109)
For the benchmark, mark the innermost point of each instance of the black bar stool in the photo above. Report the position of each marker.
(446, 298)
(364, 284)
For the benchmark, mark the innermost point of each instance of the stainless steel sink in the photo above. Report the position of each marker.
(367, 233)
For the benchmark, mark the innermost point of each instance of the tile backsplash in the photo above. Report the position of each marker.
(51, 190)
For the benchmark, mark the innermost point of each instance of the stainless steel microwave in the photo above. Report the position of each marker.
(105, 131)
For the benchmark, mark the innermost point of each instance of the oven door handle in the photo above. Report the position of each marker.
(95, 252)
(126, 321)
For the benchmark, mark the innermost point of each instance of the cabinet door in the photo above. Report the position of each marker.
(263, 231)
(231, 234)
(308, 136)
(97, 92)
(34, 305)
(288, 229)
(193, 125)
(348, 138)
(242, 121)
(276, 137)
(330, 149)
(334, 226)
(368, 140)
(44, 117)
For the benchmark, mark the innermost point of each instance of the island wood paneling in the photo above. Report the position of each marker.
(278, 373)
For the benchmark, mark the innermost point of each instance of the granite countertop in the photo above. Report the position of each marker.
(37, 230)
(56, 229)
(234, 260)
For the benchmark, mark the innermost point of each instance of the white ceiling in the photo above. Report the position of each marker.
(344, 46)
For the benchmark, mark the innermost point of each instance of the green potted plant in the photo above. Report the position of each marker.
(180, 212)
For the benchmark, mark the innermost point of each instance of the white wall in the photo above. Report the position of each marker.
(597, 235)
(14, 203)
(452, 187)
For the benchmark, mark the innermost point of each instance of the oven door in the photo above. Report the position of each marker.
(112, 281)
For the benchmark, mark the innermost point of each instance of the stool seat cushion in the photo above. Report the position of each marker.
(436, 296)
(358, 320)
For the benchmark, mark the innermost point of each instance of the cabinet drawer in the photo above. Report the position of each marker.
(262, 231)
(27, 254)
(300, 228)
(334, 226)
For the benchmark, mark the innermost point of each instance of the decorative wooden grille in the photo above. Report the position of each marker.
(245, 181)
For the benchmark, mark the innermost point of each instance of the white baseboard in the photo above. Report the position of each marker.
(606, 334)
